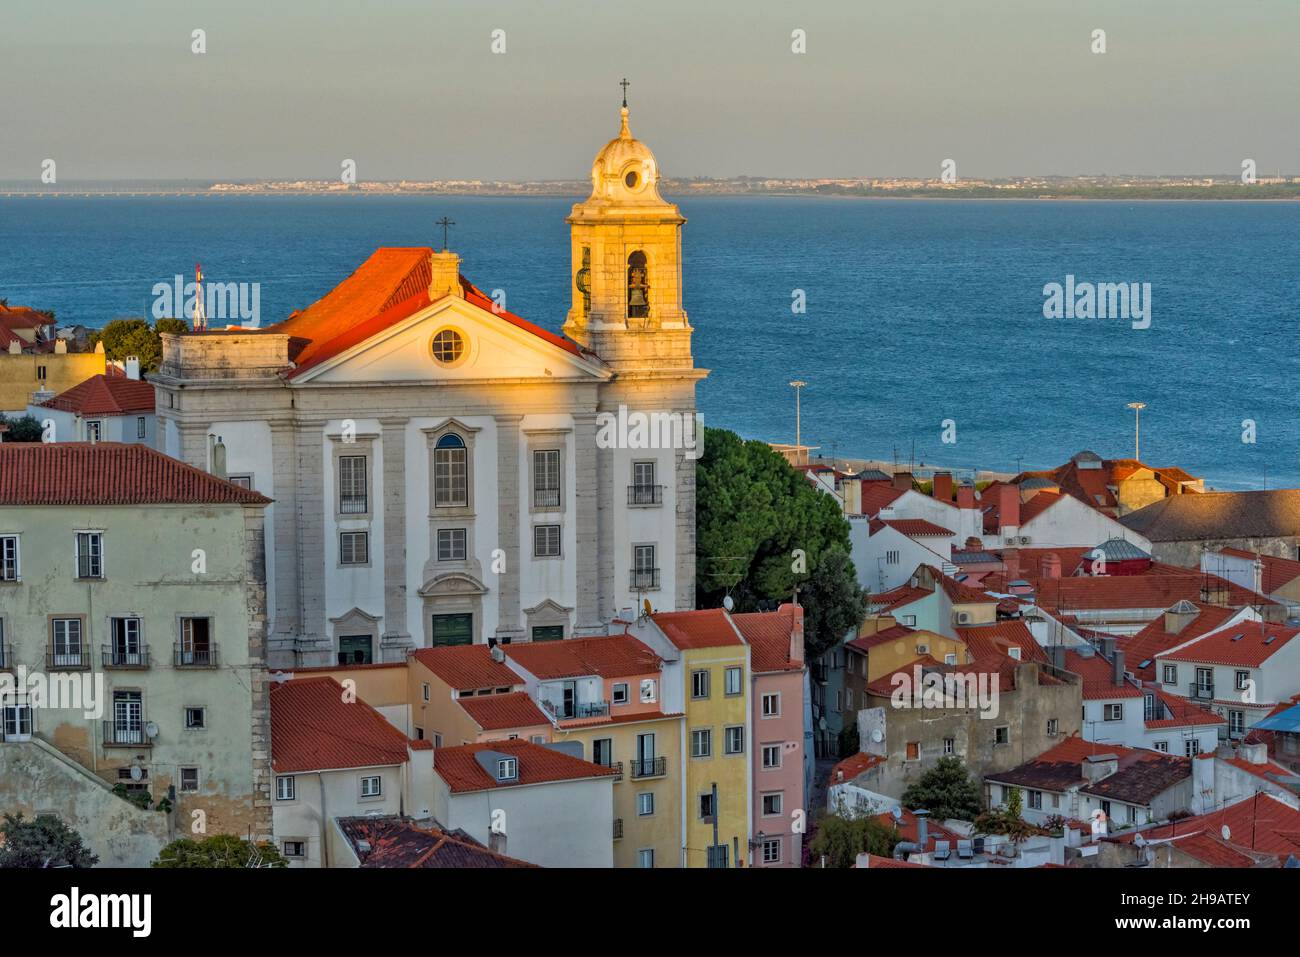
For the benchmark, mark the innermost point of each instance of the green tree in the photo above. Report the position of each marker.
(25, 428)
(762, 529)
(44, 841)
(134, 337)
(171, 325)
(221, 851)
(842, 839)
(946, 791)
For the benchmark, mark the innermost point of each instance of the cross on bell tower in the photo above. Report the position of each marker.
(624, 84)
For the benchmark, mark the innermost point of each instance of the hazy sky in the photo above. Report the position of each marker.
(291, 88)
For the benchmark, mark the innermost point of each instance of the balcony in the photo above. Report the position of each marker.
(618, 828)
(618, 771)
(649, 768)
(125, 734)
(645, 495)
(1203, 692)
(200, 657)
(644, 579)
(68, 660)
(124, 658)
(546, 498)
(567, 712)
(353, 505)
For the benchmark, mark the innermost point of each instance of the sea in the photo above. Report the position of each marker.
(918, 325)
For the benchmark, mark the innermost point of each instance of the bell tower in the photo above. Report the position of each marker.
(626, 253)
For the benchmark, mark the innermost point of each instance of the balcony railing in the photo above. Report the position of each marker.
(644, 579)
(124, 658)
(649, 768)
(1203, 691)
(68, 660)
(589, 709)
(125, 734)
(618, 828)
(204, 657)
(546, 498)
(353, 505)
(645, 495)
(618, 771)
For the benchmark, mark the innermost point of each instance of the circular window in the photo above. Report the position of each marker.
(631, 179)
(448, 346)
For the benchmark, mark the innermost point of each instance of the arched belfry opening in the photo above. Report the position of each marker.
(638, 286)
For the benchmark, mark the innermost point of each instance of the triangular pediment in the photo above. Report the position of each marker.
(494, 348)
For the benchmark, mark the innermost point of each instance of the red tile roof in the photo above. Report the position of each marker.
(314, 729)
(878, 495)
(467, 666)
(1098, 677)
(875, 860)
(537, 765)
(1141, 775)
(853, 766)
(1160, 586)
(1183, 712)
(1247, 644)
(1261, 823)
(108, 473)
(864, 643)
(909, 828)
(617, 656)
(960, 594)
(497, 712)
(983, 641)
(392, 285)
(104, 395)
(887, 601)
(1278, 572)
(768, 634)
(1093, 486)
(393, 842)
(912, 527)
(1153, 639)
(704, 628)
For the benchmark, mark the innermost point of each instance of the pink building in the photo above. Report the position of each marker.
(777, 699)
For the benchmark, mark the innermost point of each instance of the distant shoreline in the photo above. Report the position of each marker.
(203, 194)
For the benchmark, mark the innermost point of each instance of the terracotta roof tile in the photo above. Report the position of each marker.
(1183, 712)
(617, 656)
(1153, 639)
(1278, 572)
(768, 634)
(314, 729)
(887, 601)
(393, 842)
(537, 765)
(703, 628)
(1262, 823)
(912, 527)
(105, 395)
(497, 712)
(999, 639)
(1098, 677)
(1247, 644)
(467, 666)
(108, 473)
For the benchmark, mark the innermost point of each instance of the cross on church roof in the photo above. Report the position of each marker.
(445, 223)
(624, 84)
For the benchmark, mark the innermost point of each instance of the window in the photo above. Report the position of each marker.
(196, 718)
(1161, 746)
(94, 429)
(68, 651)
(644, 490)
(8, 558)
(718, 855)
(447, 347)
(648, 691)
(771, 705)
(771, 756)
(913, 750)
(772, 851)
(1113, 712)
(772, 804)
(619, 695)
(453, 630)
(1014, 652)
(546, 541)
(243, 481)
(1036, 800)
(356, 649)
(128, 719)
(1002, 735)
(645, 858)
(949, 745)
(40, 373)
(285, 788)
(1053, 727)
(371, 786)
(1236, 722)
(706, 807)
(139, 427)
(848, 699)
(294, 849)
(645, 804)
(352, 485)
(424, 690)
(1170, 674)
(1192, 747)
(699, 684)
(949, 659)
(17, 721)
(733, 739)
(451, 544)
(196, 645)
(507, 769)
(891, 557)
(602, 752)
(548, 633)
(354, 548)
(546, 478)
(189, 780)
(701, 742)
(90, 554)
(1243, 680)
(125, 649)
(645, 574)
(731, 680)
(450, 472)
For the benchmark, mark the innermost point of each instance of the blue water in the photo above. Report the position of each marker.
(917, 311)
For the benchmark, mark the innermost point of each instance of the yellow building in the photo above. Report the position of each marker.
(885, 646)
(706, 675)
(24, 373)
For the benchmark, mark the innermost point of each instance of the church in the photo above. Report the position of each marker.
(437, 465)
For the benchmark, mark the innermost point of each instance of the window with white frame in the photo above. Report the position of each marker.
(66, 636)
(772, 851)
(619, 693)
(353, 499)
(701, 742)
(949, 745)
(732, 681)
(546, 478)
(9, 571)
(645, 804)
(773, 803)
(892, 557)
(451, 544)
(17, 721)
(1236, 722)
(1169, 674)
(771, 756)
(1161, 746)
(90, 554)
(450, 472)
(1192, 747)
(295, 849)
(196, 719)
(700, 684)
(1243, 680)
(354, 548)
(189, 780)
(507, 769)
(645, 858)
(771, 703)
(734, 739)
(371, 786)
(1036, 800)
(1113, 712)
(1053, 727)
(546, 541)
(286, 788)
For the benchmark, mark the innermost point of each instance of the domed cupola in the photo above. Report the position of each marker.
(625, 172)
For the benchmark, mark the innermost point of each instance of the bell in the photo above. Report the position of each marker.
(636, 296)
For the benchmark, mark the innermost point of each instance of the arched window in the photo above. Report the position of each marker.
(450, 472)
(638, 286)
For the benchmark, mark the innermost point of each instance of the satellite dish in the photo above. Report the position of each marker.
(1139, 840)
(897, 813)
(877, 735)
(151, 730)
(1226, 832)
(728, 603)
(136, 773)
(645, 604)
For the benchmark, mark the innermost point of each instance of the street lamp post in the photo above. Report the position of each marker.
(1137, 408)
(798, 385)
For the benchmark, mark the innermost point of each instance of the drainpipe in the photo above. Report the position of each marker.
(324, 823)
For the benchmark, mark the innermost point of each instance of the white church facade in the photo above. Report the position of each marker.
(443, 471)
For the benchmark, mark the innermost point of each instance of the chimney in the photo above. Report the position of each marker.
(902, 480)
(851, 489)
(1118, 663)
(1051, 565)
(60, 347)
(1259, 575)
(1256, 753)
(15, 347)
(444, 275)
(965, 496)
(133, 367)
(1176, 620)
(497, 842)
(943, 486)
(1098, 766)
(796, 633)
(863, 860)
(1011, 563)
(1108, 648)
(1008, 510)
